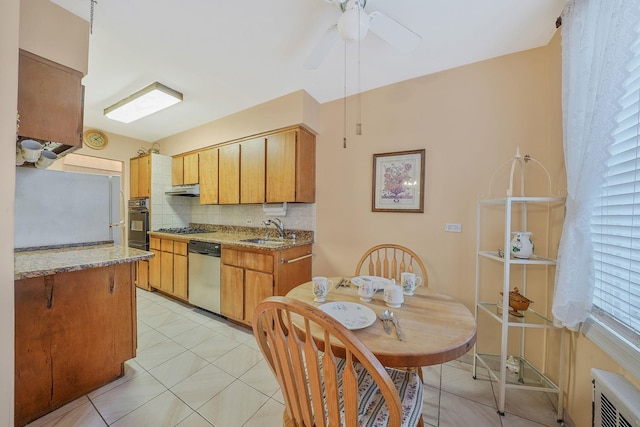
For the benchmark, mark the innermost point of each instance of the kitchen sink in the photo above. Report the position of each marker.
(264, 242)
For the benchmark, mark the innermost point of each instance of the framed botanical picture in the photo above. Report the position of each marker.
(398, 182)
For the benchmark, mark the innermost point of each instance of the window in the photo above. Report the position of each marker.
(615, 224)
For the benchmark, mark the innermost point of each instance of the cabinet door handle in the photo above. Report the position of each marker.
(300, 258)
(112, 281)
(48, 286)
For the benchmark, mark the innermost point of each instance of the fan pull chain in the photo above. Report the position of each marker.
(359, 99)
(93, 2)
(344, 100)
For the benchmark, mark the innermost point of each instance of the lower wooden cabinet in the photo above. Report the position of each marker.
(169, 269)
(73, 332)
(142, 275)
(250, 275)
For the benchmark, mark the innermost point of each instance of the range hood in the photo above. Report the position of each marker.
(184, 190)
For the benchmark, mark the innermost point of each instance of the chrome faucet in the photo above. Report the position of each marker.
(279, 225)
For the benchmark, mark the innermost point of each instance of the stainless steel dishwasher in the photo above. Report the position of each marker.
(204, 275)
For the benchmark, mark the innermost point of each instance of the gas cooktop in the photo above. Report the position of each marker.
(182, 230)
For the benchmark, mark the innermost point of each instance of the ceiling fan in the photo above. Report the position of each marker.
(354, 24)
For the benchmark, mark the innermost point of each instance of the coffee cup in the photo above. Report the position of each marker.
(366, 290)
(393, 295)
(46, 159)
(321, 287)
(19, 158)
(410, 282)
(30, 150)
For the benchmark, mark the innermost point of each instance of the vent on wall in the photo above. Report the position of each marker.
(616, 402)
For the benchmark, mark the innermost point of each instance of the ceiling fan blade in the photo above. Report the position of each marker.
(393, 32)
(322, 49)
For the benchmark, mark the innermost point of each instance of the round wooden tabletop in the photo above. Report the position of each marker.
(437, 328)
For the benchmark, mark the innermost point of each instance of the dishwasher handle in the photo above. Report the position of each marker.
(290, 261)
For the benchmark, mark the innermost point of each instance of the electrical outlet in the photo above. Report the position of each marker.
(248, 221)
(453, 228)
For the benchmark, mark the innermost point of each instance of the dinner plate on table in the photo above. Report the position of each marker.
(379, 283)
(352, 315)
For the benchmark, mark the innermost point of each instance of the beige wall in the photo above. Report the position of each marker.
(292, 109)
(9, 10)
(50, 31)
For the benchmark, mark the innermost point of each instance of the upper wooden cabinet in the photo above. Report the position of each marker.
(229, 175)
(273, 168)
(209, 176)
(140, 176)
(291, 167)
(252, 171)
(50, 101)
(185, 169)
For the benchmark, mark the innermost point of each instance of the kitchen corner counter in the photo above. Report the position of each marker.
(44, 262)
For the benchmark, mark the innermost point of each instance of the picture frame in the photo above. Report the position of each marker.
(398, 182)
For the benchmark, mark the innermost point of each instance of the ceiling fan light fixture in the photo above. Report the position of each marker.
(353, 24)
(144, 102)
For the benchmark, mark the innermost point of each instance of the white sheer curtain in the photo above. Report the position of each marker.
(596, 35)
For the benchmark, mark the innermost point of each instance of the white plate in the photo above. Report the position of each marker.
(379, 282)
(352, 315)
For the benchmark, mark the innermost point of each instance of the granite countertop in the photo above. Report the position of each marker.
(43, 262)
(230, 237)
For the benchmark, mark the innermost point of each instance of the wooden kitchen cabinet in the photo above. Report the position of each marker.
(291, 166)
(154, 263)
(250, 275)
(209, 176)
(169, 269)
(50, 101)
(252, 171)
(140, 176)
(229, 174)
(185, 169)
(73, 332)
(180, 270)
(142, 275)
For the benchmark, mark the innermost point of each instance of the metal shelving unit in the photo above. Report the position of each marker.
(528, 376)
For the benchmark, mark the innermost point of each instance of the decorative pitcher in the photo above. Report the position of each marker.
(521, 244)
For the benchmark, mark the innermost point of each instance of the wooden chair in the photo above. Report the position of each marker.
(320, 389)
(389, 260)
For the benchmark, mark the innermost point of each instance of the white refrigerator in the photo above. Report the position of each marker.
(58, 208)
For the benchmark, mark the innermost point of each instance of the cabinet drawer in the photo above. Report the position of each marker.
(180, 248)
(231, 257)
(154, 243)
(166, 245)
(259, 262)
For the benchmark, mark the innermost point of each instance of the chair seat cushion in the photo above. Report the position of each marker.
(372, 408)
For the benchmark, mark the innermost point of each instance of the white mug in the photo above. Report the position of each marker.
(30, 150)
(366, 290)
(393, 296)
(410, 282)
(321, 287)
(46, 159)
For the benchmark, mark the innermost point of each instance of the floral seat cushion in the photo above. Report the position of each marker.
(372, 408)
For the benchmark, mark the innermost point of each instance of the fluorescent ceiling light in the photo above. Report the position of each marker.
(149, 100)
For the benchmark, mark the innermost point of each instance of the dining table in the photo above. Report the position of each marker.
(436, 328)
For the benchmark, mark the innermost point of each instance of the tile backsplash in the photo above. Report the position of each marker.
(172, 211)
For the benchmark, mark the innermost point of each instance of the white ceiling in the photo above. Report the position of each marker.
(226, 56)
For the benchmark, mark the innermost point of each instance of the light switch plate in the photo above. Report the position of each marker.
(453, 228)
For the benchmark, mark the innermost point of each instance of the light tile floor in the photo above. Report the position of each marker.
(195, 369)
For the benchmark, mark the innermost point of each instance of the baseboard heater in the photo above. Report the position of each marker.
(616, 401)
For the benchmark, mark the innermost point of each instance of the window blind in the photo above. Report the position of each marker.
(615, 224)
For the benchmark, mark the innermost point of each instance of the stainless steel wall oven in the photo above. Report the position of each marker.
(139, 224)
